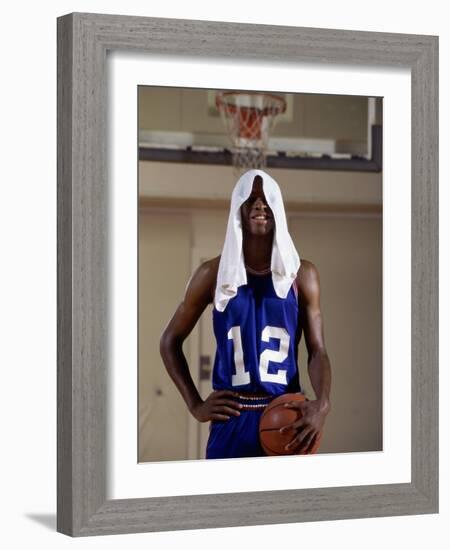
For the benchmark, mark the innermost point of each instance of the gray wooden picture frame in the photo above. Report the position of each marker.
(83, 42)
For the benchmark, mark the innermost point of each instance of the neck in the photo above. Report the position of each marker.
(257, 251)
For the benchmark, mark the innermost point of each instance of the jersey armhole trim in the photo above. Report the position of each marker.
(295, 287)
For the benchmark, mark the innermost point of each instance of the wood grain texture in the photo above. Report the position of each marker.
(264, 42)
(424, 276)
(64, 294)
(83, 198)
(83, 244)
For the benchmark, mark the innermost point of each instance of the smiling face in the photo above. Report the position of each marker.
(257, 217)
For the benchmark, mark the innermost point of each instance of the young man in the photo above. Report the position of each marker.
(264, 298)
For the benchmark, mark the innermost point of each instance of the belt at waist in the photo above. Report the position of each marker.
(251, 401)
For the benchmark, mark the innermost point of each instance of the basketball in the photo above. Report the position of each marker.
(274, 417)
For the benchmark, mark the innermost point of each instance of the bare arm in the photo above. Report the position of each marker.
(318, 362)
(199, 293)
(308, 428)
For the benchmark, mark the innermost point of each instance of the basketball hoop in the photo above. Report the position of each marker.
(249, 118)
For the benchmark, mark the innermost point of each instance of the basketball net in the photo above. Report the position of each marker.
(249, 117)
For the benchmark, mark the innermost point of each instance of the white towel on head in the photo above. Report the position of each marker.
(285, 260)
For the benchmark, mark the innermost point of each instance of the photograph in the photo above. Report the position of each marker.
(260, 271)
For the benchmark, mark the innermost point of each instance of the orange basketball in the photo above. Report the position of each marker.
(274, 417)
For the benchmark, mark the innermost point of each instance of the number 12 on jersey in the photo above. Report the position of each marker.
(242, 377)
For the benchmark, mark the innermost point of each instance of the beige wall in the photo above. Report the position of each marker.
(313, 115)
(159, 180)
(347, 252)
(345, 246)
(164, 266)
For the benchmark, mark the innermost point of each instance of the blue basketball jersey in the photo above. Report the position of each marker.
(257, 340)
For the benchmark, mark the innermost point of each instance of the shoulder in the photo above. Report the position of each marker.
(308, 280)
(307, 271)
(208, 269)
(203, 281)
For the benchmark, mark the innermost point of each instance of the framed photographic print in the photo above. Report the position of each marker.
(158, 123)
(319, 147)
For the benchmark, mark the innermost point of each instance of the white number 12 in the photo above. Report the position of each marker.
(276, 356)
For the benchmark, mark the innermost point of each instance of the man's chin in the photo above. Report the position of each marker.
(260, 231)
